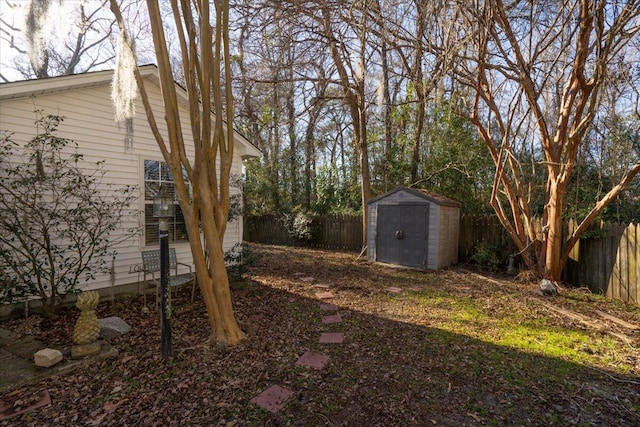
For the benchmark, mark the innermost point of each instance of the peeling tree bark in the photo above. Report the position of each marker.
(206, 66)
(511, 66)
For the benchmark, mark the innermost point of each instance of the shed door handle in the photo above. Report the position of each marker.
(399, 235)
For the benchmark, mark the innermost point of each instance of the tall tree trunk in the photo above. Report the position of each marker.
(553, 236)
(354, 97)
(388, 124)
(360, 140)
(291, 126)
(420, 115)
(207, 71)
(309, 161)
(274, 138)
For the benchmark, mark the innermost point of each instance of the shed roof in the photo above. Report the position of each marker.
(424, 194)
(35, 87)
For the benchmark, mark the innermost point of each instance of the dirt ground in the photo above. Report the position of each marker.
(452, 348)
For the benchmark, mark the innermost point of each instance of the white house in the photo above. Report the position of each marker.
(130, 152)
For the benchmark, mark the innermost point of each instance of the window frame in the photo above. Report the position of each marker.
(147, 208)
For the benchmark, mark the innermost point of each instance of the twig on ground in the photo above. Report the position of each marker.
(623, 405)
(327, 419)
(620, 380)
(364, 249)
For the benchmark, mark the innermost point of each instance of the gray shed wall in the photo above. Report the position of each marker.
(449, 223)
(444, 221)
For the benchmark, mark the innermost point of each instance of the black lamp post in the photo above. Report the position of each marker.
(163, 210)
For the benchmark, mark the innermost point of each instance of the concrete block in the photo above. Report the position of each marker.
(47, 357)
(111, 327)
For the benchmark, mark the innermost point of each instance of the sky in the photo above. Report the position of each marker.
(12, 12)
(59, 25)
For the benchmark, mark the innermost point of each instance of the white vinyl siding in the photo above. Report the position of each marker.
(89, 121)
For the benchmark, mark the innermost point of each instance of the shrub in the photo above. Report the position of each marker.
(302, 227)
(237, 260)
(486, 256)
(57, 217)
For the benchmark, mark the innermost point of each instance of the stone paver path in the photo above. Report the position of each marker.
(331, 338)
(324, 295)
(334, 318)
(273, 398)
(394, 290)
(313, 360)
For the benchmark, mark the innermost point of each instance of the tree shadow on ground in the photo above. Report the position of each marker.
(388, 372)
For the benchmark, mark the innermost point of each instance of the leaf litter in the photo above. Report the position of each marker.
(451, 349)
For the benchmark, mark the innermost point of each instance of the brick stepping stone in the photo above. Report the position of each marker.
(334, 318)
(319, 286)
(273, 398)
(8, 410)
(307, 279)
(331, 338)
(313, 360)
(324, 295)
(394, 290)
(328, 307)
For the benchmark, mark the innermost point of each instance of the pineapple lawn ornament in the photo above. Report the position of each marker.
(87, 329)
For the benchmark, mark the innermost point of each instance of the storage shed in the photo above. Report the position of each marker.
(414, 228)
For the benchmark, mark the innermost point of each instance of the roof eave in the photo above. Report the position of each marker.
(417, 193)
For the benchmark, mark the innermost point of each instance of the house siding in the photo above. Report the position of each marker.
(89, 121)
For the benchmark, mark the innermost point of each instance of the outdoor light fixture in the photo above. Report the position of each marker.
(163, 205)
(163, 209)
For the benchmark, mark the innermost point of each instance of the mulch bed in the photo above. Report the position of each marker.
(398, 364)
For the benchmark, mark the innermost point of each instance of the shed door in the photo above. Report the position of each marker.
(402, 234)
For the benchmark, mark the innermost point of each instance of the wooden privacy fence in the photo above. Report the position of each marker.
(267, 229)
(606, 259)
(340, 232)
(329, 232)
(485, 229)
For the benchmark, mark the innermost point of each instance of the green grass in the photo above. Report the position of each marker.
(545, 341)
(520, 328)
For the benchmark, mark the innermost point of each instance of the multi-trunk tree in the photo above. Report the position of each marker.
(538, 72)
(202, 31)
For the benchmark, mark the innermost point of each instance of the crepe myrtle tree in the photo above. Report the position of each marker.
(540, 73)
(202, 41)
(58, 220)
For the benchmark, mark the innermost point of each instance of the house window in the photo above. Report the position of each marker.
(157, 173)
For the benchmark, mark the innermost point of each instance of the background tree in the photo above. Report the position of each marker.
(46, 38)
(58, 219)
(202, 30)
(539, 72)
